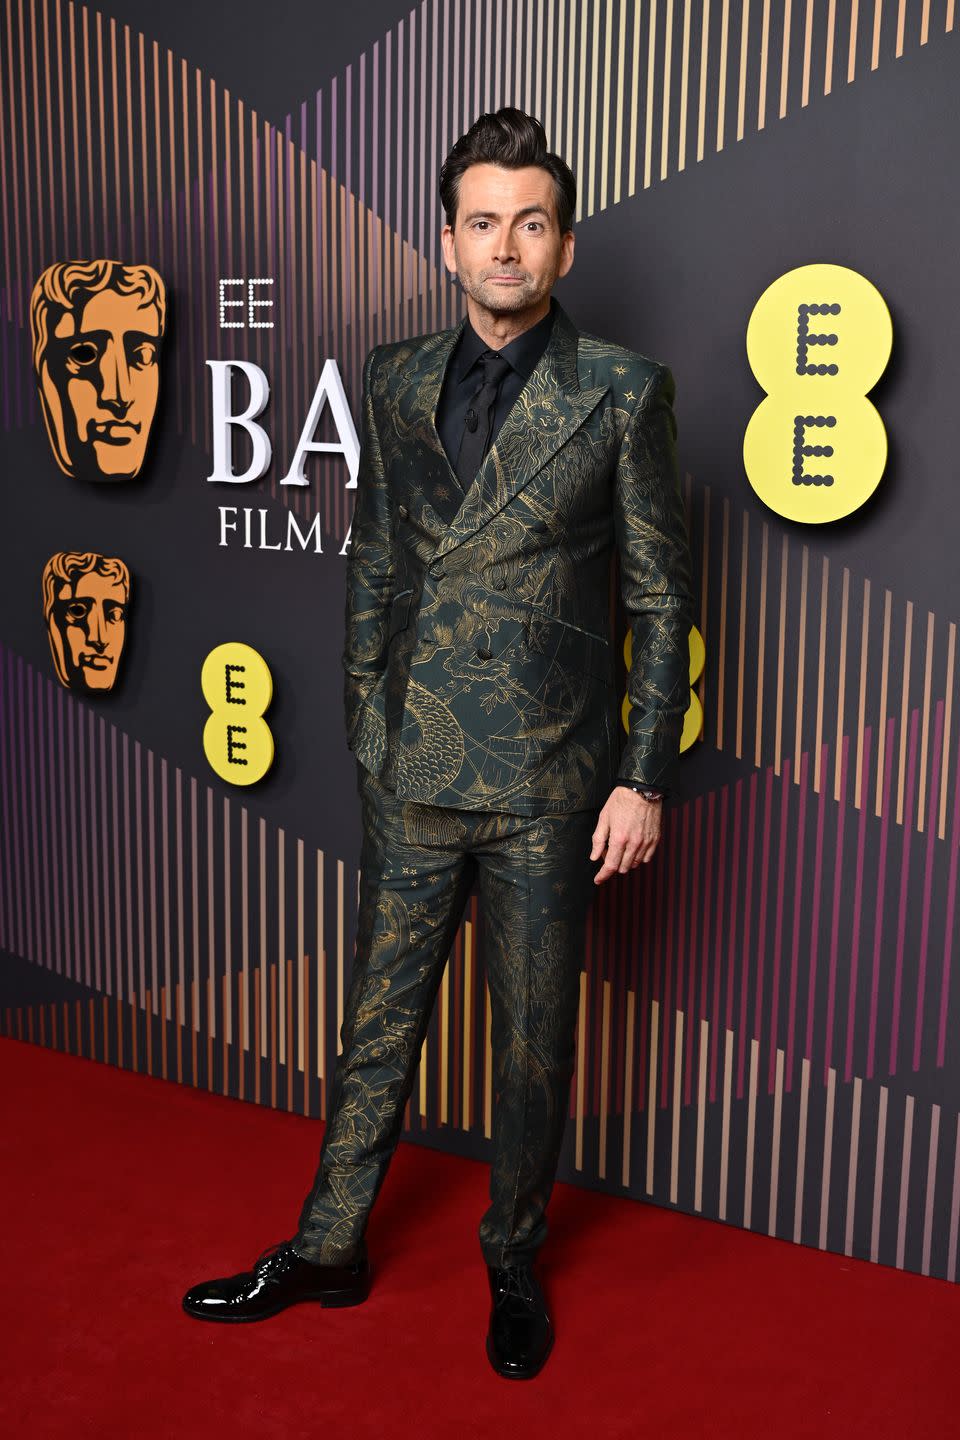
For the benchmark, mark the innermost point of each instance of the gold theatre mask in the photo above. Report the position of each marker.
(85, 598)
(97, 326)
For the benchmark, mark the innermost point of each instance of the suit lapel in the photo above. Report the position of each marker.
(550, 407)
(417, 394)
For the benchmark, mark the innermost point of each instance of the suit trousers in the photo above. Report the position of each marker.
(417, 865)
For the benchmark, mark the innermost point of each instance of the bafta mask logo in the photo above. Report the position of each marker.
(85, 598)
(97, 327)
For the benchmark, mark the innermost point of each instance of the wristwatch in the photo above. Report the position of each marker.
(649, 792)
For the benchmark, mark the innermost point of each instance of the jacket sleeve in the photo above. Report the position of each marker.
(370, 569)
(655, 585)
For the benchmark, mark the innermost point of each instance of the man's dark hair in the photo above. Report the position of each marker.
(513, 139)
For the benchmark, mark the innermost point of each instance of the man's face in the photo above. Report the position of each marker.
(87, 630)
(506, 248)
(100, 380)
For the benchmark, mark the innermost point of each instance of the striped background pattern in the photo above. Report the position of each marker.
(340, 204)
(759, 1039)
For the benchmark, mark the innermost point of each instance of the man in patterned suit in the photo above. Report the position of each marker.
(501, 460)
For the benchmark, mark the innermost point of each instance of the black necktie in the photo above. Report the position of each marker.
(476, 430)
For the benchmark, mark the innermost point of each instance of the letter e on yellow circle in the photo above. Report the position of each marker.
(818, 339)
(237, 685)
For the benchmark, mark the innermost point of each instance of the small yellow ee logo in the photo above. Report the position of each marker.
(818, 339)
(238, 687)
(693, 719)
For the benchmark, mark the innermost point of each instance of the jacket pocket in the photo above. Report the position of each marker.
(569, 647)
(399, 613)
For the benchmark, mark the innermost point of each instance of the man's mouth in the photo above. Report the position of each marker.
(96, 662)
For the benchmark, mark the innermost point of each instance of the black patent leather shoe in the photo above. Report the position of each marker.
(279, 1278)
(520, 1336)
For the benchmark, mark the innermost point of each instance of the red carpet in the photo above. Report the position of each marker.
(121, 1191)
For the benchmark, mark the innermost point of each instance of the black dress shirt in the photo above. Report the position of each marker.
(462, 376)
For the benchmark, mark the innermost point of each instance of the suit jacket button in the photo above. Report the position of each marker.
(402, 511)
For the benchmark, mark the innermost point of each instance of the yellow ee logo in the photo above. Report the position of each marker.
(818, 339)
(693, 719)
(238, 687)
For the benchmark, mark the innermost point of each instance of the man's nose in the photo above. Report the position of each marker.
(114, 377)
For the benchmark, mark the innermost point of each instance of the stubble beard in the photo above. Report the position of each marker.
(503, 299)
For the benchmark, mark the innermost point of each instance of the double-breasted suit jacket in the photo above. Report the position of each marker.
(479, 661)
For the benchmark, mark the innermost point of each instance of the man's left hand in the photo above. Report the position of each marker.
(628, 829)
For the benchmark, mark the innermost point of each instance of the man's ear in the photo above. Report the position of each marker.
(446, 242)
(566, 255)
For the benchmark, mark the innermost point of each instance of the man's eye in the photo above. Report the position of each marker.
(83, 353)
(114, 614)
(76, 611)
(145, 354)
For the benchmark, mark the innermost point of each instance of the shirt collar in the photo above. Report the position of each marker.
(522, 353)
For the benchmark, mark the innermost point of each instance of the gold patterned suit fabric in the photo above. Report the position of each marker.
(479, 667)
(535, 882)
(481, 704)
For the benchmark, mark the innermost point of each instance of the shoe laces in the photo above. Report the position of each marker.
(272, 1257)
(517, 1282)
